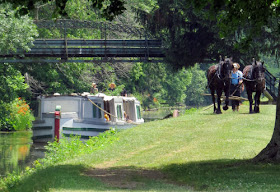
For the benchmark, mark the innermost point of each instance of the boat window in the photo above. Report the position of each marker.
(138, 112)
(37, 108)
(119, 111)
(96, 111)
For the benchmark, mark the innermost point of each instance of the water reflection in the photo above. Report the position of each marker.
(17, 151)
(161, 113)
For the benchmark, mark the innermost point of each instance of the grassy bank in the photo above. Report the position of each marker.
(197, 151)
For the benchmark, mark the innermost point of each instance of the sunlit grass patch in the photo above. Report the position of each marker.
(196, 151)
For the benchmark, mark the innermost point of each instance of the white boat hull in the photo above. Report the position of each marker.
(79, 117)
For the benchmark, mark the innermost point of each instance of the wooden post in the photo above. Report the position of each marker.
(57, 116)
(175, 113)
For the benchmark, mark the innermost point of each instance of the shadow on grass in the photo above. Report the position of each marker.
(236, 175)
(79, 178)
(232, 175)
(57, 177)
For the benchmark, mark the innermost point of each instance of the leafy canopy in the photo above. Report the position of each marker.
(109, 8)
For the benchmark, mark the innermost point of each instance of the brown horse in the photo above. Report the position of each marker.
(254, 80)
(218, 77)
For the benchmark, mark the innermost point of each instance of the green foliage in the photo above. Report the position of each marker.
(195, 89)
(109, 9)
(196, 30)
(144, 5)
(239, 13)
(175, 86)
(188, 36)
(16, 115)
(167, 86)
(12, 84)
(116, 92)
(20, 117)
(137, 72)
(62, 78)
(147, 79)
(15, 32)
(190, 111)
(11, 180)
(73, 147)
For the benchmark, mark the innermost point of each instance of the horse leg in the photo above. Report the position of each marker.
(219, 94)
(213, 99)
(249, 93)
(257, 102)
(225, 107)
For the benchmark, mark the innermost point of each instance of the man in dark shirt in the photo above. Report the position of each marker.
(124, 93)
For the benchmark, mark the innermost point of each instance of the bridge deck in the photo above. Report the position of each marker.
(61, 48)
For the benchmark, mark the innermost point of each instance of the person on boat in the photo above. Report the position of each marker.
(236, 83)
(126, 116)
(124, 93)
(93, 89)
(107, 118)
(112, 86)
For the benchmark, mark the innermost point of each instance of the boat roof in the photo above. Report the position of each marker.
(86, 94)
(108, 98)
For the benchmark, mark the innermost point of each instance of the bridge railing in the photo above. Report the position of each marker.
(65, 49)
(271, 84)
(96, 43)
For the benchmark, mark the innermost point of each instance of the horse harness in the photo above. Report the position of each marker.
(217, 73)
(250, 78)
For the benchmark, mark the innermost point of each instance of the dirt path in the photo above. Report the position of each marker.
(126, 178)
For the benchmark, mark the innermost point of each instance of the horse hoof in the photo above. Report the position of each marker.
(251, 112)
(256, 109)
(218, 112)
(225, 108)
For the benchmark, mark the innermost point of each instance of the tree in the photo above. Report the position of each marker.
(197, 30)
(16, 33)
(196, 87)
(109, 9)
(175, 85)
(146, 79)
(187, 35)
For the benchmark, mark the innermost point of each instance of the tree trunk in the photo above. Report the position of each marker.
(271, 153)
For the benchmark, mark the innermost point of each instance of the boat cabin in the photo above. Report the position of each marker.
(85, 113)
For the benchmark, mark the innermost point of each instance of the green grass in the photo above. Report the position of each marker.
(200, 151)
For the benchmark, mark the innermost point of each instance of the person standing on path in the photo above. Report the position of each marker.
(236, 81)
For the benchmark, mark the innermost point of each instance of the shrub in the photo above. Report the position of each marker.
(20, 115)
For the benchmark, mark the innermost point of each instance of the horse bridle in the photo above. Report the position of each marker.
(219, 75)
(256, 79)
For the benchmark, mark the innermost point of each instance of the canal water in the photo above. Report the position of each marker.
(162, 113)
(17, 151)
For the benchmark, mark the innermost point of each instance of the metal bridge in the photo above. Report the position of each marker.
(135, 44)
(64, 50)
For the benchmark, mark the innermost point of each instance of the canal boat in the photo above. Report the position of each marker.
(84, 115)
